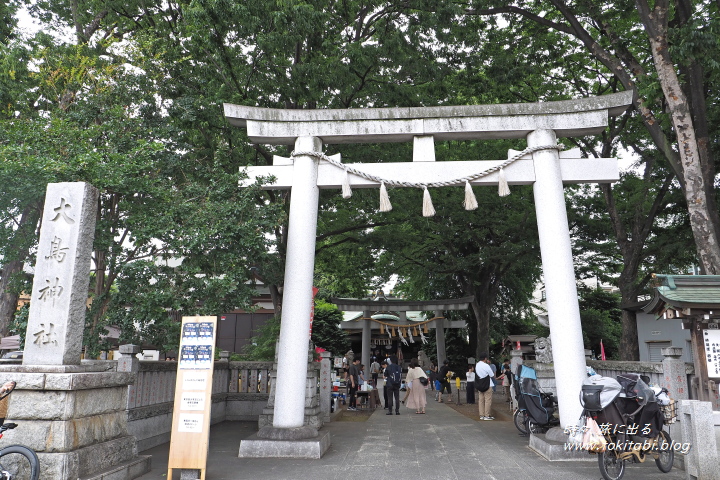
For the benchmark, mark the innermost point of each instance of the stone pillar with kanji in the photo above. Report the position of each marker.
(62, 275)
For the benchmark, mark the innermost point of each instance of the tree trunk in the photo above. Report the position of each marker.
(629, 346)
(701, 222)
(21, 245)
(482, 320)
(472, 334)
(8, 299)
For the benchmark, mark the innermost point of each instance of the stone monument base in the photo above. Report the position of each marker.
(126, 470)
(310, 448)
(75, 420)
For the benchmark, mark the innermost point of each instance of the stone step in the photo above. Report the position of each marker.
(127, 470)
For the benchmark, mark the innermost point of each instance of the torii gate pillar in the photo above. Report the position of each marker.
(559, 275)
(440, 337)
(297, 298)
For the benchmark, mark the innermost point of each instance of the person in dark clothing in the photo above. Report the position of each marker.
(443, 376)
(354, 383)
(433, 375)
(393, 375)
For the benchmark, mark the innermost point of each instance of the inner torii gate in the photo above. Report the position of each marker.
(402, 307)
(545, 168)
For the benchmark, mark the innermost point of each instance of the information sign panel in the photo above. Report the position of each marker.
(711, 339)
(193, 393)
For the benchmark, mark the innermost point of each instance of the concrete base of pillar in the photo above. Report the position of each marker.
(555, 451)
(310, 448)
(298, 433)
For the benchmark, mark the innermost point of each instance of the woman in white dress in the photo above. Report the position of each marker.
(417, 399)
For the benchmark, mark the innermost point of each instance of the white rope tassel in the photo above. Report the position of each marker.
(385, 205)
(428, 209)
(422, 337)
(346, 190)
(503, 188)
(402, 339)
(470, 200)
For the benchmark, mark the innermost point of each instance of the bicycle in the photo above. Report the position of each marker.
(17, 462)
(633, 424)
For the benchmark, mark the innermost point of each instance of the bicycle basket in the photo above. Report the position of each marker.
(669, 412)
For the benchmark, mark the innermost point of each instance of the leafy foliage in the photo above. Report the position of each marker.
(326, 332)
(262, 345)
(601, 320)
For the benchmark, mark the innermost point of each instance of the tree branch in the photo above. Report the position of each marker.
(520, 11)
(352, 229)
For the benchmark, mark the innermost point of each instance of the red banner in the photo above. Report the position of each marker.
(312, 307)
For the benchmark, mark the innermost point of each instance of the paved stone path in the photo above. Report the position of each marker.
(440, 445)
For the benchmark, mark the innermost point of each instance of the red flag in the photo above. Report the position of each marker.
(517, 345)
(602, 351)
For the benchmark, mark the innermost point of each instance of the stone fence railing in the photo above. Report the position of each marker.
(240, 392)
(654, 370)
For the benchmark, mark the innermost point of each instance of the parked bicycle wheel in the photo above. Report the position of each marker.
(666, 455)
(611, 467)
(533, 427)
(520, 419)
(19, 463)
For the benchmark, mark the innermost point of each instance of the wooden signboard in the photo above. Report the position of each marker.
(193, 396)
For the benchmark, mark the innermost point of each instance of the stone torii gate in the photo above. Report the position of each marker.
(545, 168)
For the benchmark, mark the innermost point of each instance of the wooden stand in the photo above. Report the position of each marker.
(193, 396)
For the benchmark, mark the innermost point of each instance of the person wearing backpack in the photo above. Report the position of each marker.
(393, 378)
(484, 381)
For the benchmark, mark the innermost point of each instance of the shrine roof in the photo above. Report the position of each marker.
(685, 291)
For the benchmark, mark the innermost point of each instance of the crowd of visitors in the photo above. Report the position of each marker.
(386, 374)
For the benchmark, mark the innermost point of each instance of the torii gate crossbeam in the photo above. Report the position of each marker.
(540, 123)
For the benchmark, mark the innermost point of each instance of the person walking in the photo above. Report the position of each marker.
(393, 378)
(493, 367)
(417, 399)
(374, 371)
(444, 377)
(432, 375)
(482, 370)
(354, 383)
(384, 366)
(506, 382)
(470, 385)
